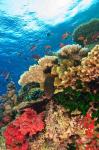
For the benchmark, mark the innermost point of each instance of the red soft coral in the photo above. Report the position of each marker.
(29, 123)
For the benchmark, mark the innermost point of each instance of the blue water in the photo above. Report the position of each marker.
(28, 22)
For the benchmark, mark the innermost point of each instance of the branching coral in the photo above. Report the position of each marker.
(65, 72)
(73, 52)
(86, 72)
(58, 128)
(89, 69)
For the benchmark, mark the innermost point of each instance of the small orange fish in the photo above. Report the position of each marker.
(95, 36)
(81, 38)
(36, 57)
(33, 47)
(61, 45)
(65, 35)
(48, 47)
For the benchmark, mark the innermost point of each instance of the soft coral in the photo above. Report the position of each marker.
(29, 123)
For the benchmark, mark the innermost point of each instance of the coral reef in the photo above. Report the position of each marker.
(87, 71)
(9, 100)
(57, 107)
(87, 33)
(61, 130)
(29, 92)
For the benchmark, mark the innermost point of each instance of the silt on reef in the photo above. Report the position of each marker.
(59, 100)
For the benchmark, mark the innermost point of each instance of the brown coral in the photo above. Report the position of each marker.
(74, 52)
(37, 73)
(61, 130)
(47, 61)
(89, 69)
(87, 72)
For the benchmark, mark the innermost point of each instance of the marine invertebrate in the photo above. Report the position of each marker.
(28, 124)
(9, 99)
(73, 52)
(57, 130)
(65, 72)
(87, 33)
(37, 73)
(89, 69)
(48, 61)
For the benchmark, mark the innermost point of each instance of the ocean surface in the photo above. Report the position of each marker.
(30, 29)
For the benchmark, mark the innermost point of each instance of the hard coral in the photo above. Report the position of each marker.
(65, 72)
(86, 72)
(73, 52)
(48, 61)
(61, 130)
(89, 69)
